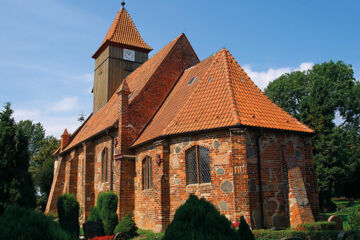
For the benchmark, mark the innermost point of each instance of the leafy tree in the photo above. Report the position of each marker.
(16, 185)
(199, 219)
(43, 173)
(326, 98)
(35, 132)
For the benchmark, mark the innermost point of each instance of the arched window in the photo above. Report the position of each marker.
(104, 165)
(147, 173)
(197, 165)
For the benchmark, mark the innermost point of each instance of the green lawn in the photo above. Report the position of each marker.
(344, 210)
(148, 235)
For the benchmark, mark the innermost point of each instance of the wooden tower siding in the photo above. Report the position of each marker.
(110, 70)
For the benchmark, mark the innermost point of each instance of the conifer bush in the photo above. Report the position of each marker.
(127, 227)
(244, 231)
(26, 224)
(198, 219)
(94, 215)
(68, 211)
(107, 207)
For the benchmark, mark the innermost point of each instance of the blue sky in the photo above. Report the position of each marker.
(46, 69)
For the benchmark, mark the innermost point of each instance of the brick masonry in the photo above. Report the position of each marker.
(288, 185)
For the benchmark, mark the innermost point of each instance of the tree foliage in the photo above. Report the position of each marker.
(44, 172)
(326, 98)
(16, 185)
(35, 133)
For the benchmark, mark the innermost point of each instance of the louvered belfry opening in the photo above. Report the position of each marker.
(197, 165)
(147, 180)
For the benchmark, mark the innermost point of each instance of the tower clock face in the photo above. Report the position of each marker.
(129, 55)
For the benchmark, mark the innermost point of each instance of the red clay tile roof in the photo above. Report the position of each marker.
(222, 95)
(123, 32)
(107, 116)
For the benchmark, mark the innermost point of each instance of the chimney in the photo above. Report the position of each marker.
(65, 139)
(123, 133)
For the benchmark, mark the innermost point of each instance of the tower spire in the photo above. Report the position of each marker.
(123, 4)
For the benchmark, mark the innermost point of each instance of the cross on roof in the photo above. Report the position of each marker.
(123, 4)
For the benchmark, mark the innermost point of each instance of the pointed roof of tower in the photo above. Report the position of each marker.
(123, 33)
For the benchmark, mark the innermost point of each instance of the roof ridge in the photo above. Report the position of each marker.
(230, 87)
(192, 94)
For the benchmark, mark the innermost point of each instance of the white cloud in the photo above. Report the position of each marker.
(54, 116)
(262, 79)
(53, 124)
(305, 66)
(65, 104)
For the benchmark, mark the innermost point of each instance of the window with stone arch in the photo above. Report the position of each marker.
(147, 180)
(197, 165)
(104, 165)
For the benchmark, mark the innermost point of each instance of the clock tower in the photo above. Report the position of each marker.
(122, 51)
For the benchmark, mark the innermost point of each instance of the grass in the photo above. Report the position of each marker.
(344, 210)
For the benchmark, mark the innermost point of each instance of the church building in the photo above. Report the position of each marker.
(168, 126)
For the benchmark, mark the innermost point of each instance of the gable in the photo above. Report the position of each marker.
(143, 82)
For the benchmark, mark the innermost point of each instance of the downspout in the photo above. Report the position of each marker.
(260, 179)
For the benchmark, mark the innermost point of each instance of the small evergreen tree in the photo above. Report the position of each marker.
(127, 227)
(107, 207)
(94, 215)
(16, 185)
(244, 231)
(199, 219)
(68, 211)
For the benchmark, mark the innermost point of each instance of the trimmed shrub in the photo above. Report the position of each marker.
(94, 215)
(316, 226)
(107, 207)
(68, 211)
(127, 227)
(313, 235)
(199, 219)
(25, 224)
(244, 231)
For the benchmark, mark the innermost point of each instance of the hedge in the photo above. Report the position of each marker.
(316, 226)
(313, 235)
